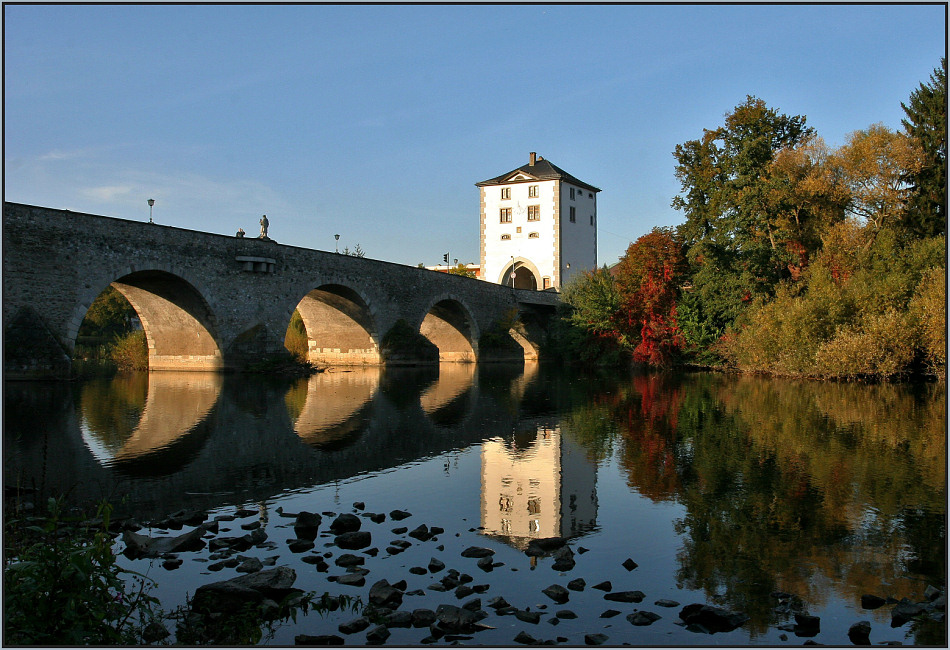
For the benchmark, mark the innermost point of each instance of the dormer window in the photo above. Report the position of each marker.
(506, 193)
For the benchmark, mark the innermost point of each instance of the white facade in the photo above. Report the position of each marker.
(539, 222)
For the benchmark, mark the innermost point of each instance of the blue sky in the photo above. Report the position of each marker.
(375, 122)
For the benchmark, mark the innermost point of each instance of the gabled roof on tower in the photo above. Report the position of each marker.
(538, 169)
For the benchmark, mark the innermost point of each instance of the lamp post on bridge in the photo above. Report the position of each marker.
(151, 202)
(337, 238)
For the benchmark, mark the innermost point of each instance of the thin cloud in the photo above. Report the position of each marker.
(107, 192)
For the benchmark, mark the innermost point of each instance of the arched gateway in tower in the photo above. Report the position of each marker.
(538, 226)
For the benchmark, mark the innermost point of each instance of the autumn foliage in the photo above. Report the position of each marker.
(648, 279)
(795, 258)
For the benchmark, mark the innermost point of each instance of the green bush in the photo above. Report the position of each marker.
(929, 309)
(62, 586)
(296, 338)
(130, 352)
(881, 346)
(878, 310)
(781, 336)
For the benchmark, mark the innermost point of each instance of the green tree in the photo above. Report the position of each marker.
(109, 315)
(588, 329)
(727, 197)
(594, 301)
(926, 123)
(462, 270)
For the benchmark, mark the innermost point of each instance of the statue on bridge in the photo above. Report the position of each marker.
(264, 224)
(240, 233)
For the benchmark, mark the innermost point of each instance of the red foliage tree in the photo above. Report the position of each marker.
(649, 276)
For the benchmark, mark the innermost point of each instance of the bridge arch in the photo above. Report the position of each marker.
(340, 324)
(179, 324)
(449, 325)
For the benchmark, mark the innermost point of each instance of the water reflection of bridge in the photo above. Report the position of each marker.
(197, 440)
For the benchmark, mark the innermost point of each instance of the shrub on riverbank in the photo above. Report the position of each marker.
(870, 312)
(130, 351)
(295, 340)
(62, 586)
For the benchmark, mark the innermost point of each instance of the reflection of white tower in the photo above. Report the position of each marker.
(548, 489)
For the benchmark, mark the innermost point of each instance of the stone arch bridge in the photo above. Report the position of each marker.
(216, 302)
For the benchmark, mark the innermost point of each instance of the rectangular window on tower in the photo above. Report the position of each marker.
(505, 193)
(532, 191)
(534, 213)
(572, 194)
(573, 214)
(505, 215)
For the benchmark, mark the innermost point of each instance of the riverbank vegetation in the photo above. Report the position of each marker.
(794, 259)
(110, 338)
(62, 586)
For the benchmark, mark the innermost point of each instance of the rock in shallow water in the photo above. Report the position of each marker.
(860, 633)
(526, 639)
(557, 593)
(643, 618)
(232, 595)
(870, 601)
(377, 635)
(250, 565)
(423, 617)
(625, 596)
(299, 545)
(346, 523)
(528, 617)
(354, 540)
(712, 619)
(320, 639)
(383, 594)
(144, 546)
(354, 626)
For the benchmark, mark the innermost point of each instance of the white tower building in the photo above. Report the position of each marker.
(538, 226)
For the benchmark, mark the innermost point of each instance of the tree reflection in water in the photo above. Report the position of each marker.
(803, 487)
